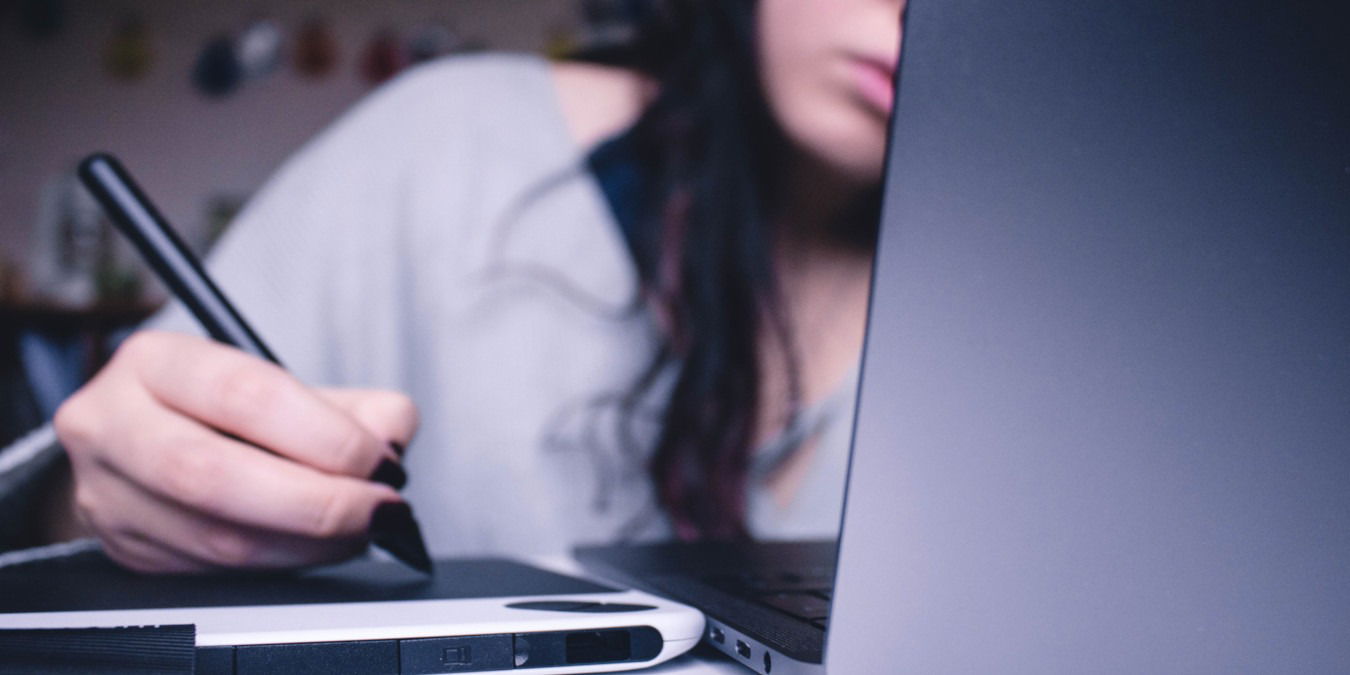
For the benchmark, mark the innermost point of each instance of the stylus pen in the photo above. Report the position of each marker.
(393, 527)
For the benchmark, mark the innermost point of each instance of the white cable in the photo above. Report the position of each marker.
(22, 451)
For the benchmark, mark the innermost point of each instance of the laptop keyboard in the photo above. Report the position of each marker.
(775, 592)
(805, 597)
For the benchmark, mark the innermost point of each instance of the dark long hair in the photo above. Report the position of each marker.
(702, 242)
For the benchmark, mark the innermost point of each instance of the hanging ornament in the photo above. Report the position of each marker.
(258, 48)
(42, 19)
(129, 54)
(561, 43)
(430, 41)
(217, 71)
(383, 58)
(316, 51)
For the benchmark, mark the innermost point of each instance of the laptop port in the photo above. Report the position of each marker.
(743, 649)
(716, 634)
(768, 662)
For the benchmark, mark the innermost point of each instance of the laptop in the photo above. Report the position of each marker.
(1104, 415)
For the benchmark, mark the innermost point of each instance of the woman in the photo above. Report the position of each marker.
(628, 303)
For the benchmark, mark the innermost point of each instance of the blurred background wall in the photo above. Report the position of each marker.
(60, 97)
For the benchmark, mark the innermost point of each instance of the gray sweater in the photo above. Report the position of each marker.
(444, 238)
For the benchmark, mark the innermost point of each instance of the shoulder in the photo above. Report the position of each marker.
(599, 101)
(507, 97)
(450, 93)
(594, 101)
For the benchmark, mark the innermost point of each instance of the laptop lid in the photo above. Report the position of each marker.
(1105, 404)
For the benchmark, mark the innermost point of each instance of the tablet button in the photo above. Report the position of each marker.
(614, 607)
(554, 605)
(579, 606)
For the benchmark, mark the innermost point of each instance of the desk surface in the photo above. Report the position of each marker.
(699, 662)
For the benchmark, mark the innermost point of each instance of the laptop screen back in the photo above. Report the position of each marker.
(1105, 409)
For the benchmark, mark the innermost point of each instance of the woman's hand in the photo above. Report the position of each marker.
(162, 441)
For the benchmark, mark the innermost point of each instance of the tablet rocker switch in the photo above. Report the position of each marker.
(455, 654)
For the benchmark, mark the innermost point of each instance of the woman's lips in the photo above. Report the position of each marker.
(874, 80)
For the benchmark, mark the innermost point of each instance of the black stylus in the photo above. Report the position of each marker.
(393, 527)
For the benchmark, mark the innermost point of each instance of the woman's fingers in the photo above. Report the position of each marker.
(386, 414)
(160, 535)
(166, 449)
(189, 464)
(117, 427)
(144, 556)
(254, 400)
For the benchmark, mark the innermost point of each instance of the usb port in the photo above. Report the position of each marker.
(717, 635)
(743, 649)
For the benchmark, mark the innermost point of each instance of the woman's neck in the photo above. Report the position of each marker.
(818, 208)
(822, 260)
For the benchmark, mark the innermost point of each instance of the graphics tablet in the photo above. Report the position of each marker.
(473, 615)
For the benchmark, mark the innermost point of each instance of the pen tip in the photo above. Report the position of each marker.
(393, 528)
